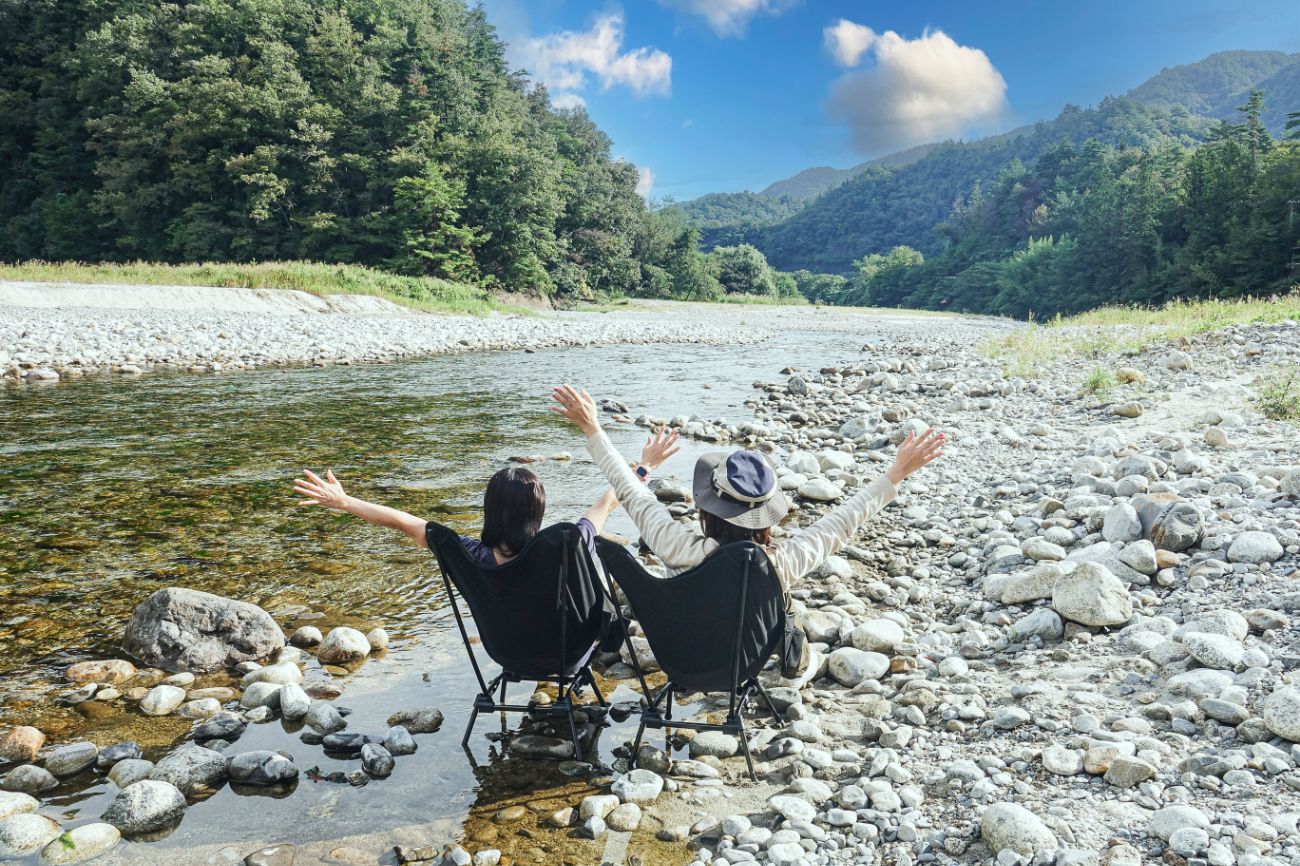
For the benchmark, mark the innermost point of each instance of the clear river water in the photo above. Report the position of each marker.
(113, 488)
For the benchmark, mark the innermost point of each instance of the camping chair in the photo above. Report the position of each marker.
(712, 629)
(540, 616)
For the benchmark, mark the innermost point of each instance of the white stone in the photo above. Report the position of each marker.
(1255, 548)
(1282, 713)
(343, 644)
(162, 700)
(1010, 825)
(1214, 650)
(877, 635)
(1091, 595)
(638, 786)
(1172, 818)
(81, 844)
(792, 808)
(851, 666)
(25, 833)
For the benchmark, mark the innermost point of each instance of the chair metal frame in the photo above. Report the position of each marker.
(570, 685)
(739, 695)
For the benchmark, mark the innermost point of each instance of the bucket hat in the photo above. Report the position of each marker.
(739, 487)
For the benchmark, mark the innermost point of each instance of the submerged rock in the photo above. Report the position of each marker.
(187, 630)
(420, 721)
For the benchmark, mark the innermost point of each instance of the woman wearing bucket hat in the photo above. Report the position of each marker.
(738, 499)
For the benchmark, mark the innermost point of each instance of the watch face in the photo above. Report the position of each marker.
(642, 471)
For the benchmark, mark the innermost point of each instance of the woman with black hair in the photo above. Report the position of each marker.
(514, 503)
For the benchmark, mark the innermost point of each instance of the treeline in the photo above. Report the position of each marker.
(1093, 224)
(388, 133)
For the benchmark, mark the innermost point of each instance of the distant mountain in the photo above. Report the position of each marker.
(882, 207)
(1215, 86)
(823, 218)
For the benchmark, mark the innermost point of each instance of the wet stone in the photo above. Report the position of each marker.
(263, 768)
(536, 746)
(347, 743)
(111, 755)
(510, 815)
(324, 718)
(113, 671)
(145, 807)
(398, 741)
(81, 844)
(425, 720)
(376, 761)
(275, 855)
(15, 803)
(192, 769)
(26, 833)
(71, 759)
(129, 771)
(223, 726)
(29, 779)
(20, 745)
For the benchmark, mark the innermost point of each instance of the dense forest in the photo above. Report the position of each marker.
(1093, 224)
(380, 132)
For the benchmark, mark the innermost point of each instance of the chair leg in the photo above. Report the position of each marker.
(636, 744)
(600, 698)
(469, 729)
(767, 699)
(744, 745)
(573, 731)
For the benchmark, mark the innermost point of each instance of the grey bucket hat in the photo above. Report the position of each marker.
(740, 487)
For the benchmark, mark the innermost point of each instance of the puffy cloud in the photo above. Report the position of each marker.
(730, 17)
(568, 100)
(563, 61)
(916, 91)
(848, 41)
(645, 181)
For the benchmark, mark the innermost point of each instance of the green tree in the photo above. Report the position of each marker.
(743, 270)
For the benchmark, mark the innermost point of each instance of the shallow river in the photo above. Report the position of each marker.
(113, 488)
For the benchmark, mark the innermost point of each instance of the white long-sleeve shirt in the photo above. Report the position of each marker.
(680, 549)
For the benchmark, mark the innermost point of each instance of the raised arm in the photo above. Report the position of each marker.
(329, 493)
(677, 546)
(807, 549)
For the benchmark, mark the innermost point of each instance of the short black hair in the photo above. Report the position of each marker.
(513, 505)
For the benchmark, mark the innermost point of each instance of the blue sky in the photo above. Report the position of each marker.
(725, 95)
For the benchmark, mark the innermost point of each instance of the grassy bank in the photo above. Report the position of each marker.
(422, 293)
(1128, 330)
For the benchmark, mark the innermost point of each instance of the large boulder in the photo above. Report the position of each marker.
(145, 807)
(1169, 522)
(187, 630)
(1010, 825)
(1093, 596)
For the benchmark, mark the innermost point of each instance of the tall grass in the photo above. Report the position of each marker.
(423, 293)
(1109, 331)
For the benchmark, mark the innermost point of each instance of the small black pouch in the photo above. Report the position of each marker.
(794, 650)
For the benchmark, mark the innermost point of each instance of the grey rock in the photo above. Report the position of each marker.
(71, 759)
(81, 844)
(1093, 596)
(109, 756)
(294, 702)
(398, 741)
(1043, 623)
(713, 743)
(377, 761)
(425, 720)
(223, 726)
(193, 770)
(324, 718)
(1172, 818)
(1282, 713)
(129, 771)
(145, 807)
(29, 779)
(16, 803)
(187, 630)
(162, 700)
(1255, 548)
(638, 786)
(1010, 825)
(1168, 522)
(263, 768)
(26, 833)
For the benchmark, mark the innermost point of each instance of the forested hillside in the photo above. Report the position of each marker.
(379, 132)
(1215, 86)
(883, 208)
(1092, 224)
(902, 198)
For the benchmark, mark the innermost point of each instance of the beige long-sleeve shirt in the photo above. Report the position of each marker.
(680, 549)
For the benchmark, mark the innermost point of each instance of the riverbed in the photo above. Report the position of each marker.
(111, 488)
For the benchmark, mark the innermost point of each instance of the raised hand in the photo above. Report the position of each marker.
(915, 452)
(578, 407)
(659, 447)
(326, 493)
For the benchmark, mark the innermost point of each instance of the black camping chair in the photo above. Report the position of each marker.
(712, 629)
(540, 616)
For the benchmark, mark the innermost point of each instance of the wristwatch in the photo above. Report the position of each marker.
(642, 473)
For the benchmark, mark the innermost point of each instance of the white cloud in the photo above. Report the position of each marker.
(568, 100)
(916, 91)
(645, 181)
(848, 41)
(730, 17)
(563, 61)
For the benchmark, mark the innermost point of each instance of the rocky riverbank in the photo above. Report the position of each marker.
(1072, 640)
(48, 333)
